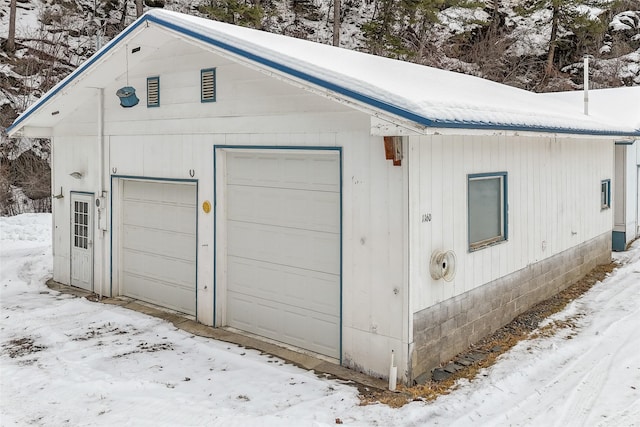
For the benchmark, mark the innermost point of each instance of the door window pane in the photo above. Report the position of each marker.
(81, 224)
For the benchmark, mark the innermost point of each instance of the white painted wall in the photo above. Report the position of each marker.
(626, 190)
(553, 196)
(251, 109)
(554, 188)
(70, 154)
(632, 223)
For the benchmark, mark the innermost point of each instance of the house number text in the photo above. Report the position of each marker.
(426, 217)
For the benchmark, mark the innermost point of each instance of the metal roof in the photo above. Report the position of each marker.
(426, 96)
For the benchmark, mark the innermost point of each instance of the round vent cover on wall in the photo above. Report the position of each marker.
(443, 265)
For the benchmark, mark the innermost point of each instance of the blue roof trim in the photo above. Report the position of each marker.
(366, 99)
(390, 108)
(114, 42)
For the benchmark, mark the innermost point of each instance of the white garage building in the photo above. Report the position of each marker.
(622, 105)
(298, 191)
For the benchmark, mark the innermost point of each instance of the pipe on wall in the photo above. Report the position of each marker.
(101, 190)
(586, 85)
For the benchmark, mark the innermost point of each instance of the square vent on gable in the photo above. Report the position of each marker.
(208, 85)
(153, 92)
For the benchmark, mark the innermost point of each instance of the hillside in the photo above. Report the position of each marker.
(533, 44)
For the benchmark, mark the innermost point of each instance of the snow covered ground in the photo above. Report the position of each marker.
(69, 361)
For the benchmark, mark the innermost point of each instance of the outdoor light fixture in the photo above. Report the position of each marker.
(59, 195)
(76, 175)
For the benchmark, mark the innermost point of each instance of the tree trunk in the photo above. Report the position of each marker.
(11, 38)
(139, 8)
(123, 17)
(336, 22)
(495, 18)
(555, 18)
(257, 4)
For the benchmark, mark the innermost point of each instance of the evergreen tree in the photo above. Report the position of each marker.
(246, 13)
(403, 28)
(568, 19)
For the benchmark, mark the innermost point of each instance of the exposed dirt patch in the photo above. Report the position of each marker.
(152, 348)
(100, 331)
(145, 347)
(485, 352)
(20, 347)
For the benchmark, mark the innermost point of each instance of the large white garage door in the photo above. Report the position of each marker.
(283, 253)
(159, 243)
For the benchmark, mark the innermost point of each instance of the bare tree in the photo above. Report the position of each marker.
(139, 8)
(11, 38)
(336, 22)
(553, 42)
(123, 17)
(495, 16)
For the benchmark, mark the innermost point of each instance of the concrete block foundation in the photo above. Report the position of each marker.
(446, 329)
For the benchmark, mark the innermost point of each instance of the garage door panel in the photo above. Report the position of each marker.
(309, 290)
(179, 219)
(285, 323)
(158, 245)
(300, 248)
(240, 312)
(320, 171)
(318, 336)
(179, 272)
(160, 192)
(283, 246)
(160, 293)
(183, 246)
(312, 210)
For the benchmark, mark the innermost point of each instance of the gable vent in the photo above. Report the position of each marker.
(208, 85)
(153, 92)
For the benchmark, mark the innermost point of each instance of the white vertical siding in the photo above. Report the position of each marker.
(373, 220)
(71, 154)
(553, 196)
(625, 190)
(373, 262)
(620, 188)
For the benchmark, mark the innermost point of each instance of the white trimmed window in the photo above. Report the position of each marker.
(605, 194)
(487, 209)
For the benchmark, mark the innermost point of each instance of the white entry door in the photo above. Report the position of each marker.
(283, 247)
(82, 241)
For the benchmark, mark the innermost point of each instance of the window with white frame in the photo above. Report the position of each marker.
(487, 209)
(605, 194)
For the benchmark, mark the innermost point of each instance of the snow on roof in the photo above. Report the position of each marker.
(424, 95)
(618, 105)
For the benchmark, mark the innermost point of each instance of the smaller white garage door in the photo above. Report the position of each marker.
(159, 243)
(283, 250)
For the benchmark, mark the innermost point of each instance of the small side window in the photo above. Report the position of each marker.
(605, 194)
(487, 209)
(153, 92)
(208, 85)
